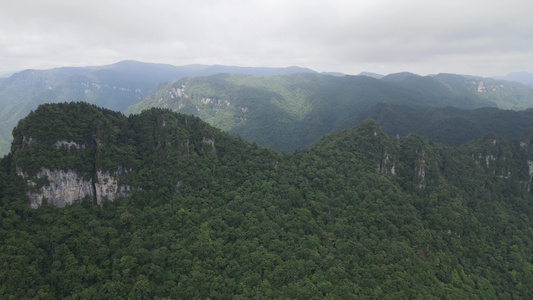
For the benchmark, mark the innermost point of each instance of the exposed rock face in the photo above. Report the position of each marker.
(420, 170)
(69, 144)
(108, 186)
(481, 87)
(387, 165)
(530, 165)
(66, 187)
(179, 92)
(211, 142)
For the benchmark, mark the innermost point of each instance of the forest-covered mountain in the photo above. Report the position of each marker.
(199, 213)
(466, 91)
(450, 125)
(115, 87)
(522, 77)
(290, 112)
(302, 107)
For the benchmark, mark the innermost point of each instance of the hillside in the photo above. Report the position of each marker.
(290, 112)
(199, 213)
(302, 104)
(285, 112)
(466, 91)
(450, 125)
(115, 87)
(522, 77)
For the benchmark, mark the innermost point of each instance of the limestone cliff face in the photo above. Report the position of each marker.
(420, 169)
(67, 186)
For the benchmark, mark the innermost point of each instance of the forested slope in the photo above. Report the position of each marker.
(466, 91)
(450, 125)
(284, 112)
(360, 214)
(282, 108)
(116, 86)
(291, 112)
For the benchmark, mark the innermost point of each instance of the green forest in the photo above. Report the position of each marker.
(292, 112)
(116, 86)
(361, 214)
(450, 125)
(284, 109)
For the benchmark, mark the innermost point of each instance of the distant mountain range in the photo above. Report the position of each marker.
(522, 77)
(115, 86)
(291, 112)
(450, 125)
(284, 108)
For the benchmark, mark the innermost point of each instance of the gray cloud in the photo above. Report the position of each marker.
(468, 37)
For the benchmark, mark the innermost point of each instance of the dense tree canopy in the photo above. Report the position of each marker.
(359, 215)
(292, 112)
(450, 125)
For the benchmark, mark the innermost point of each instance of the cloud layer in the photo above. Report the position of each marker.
(384, 36)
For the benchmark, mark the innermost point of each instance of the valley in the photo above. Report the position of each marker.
(284, 184)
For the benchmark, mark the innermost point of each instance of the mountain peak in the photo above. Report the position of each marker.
(400, 76)
(370, 74)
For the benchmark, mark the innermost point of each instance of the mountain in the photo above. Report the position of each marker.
(283, 112)
(115, 86)
(450, 125)
(304, 108)
(507, 95)
(338, 74)
(5, 74)
(370, 74)
(176, 208)
(94, 152)
(433, 90)
(290, 112)
(522, 77)
(466, 91)
(261, 71)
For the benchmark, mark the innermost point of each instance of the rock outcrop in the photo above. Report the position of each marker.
(64, 187)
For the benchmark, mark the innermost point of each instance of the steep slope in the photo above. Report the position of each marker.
(450, 204)
(359, 215)
(452, 126)
(112, 87)
(67, 152)
(464, 91)
(290, 112)
(506, 94)
(115, 87)
(438, 92)
(522, 77)
(281, 112)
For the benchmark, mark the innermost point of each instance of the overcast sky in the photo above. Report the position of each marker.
(485, 37)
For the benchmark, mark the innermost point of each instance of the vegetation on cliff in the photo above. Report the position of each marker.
(450, 125)
(361, 214)
(115, 87)
(292, 112)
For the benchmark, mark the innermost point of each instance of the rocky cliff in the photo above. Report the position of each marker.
(62, 187)
(68, 152)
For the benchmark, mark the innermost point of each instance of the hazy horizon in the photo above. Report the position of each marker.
(483, 38)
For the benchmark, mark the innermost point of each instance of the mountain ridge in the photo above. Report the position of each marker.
(359, 214)
(115, 86)
(121, 85)
(289, 112)
(522, 77)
